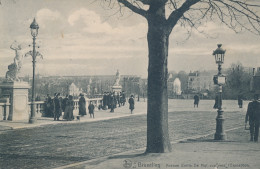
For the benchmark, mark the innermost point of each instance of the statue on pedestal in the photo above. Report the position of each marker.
(15, 67)
(117, 88)
(117, 79)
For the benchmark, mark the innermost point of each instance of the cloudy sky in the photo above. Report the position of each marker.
(81, 37)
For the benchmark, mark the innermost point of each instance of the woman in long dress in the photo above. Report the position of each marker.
(68, 114)
(82, 105)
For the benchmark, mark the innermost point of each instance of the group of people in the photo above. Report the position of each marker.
(111, 100)
(82, 107)
(55, 106)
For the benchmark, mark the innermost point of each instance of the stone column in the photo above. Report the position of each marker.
(18, 95)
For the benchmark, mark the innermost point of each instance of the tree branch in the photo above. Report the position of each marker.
(178, 13)
(134, 8)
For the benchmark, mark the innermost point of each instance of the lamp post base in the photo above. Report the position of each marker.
(220, 133)
(32, 120)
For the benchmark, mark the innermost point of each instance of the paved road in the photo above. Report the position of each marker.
(63, 144)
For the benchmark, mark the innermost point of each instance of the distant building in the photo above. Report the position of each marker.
(74, 90)
(200, 81)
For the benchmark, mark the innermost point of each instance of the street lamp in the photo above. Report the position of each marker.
(220, 80)
(34, 32)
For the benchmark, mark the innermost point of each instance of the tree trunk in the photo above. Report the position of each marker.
(157, 112)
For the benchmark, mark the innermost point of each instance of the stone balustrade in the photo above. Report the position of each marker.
(40, 105)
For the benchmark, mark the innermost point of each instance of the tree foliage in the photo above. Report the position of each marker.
(238, 82)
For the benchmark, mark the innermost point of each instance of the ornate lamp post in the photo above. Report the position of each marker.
(219, 80)
(34, 32)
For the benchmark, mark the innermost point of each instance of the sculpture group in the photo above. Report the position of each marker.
(15, 67)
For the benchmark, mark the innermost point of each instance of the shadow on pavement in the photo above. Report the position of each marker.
(127, 156)
(205, 140)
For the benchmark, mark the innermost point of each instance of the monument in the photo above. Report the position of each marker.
(177, 86)
(13, 90)
(117, 88)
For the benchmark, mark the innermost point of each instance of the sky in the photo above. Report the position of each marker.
(85, 37)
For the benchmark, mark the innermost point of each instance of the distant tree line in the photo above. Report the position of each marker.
(238, 82)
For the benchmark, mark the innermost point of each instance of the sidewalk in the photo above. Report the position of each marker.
(201, 153)
(123, 111)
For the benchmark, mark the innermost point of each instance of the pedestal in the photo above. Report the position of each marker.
(117, 89)
(18, 95)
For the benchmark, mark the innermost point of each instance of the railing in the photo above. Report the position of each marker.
(39, 108)
(40, 105)
(95, 101)
(5, 110)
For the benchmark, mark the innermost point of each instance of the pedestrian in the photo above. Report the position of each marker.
(196, 100)
(82, 105)
(48, 104)
(68, 113)
(118, 99)
(240, 101)
(112, 103)
(123, 98)
(253, 116)
(64, 102)
(131, 102)
(57, 107)
(91, 108)
(104, 101)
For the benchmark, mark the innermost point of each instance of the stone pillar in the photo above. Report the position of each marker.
(18, 95)
(117, 89)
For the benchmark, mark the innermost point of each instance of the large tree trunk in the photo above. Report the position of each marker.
(157, 112)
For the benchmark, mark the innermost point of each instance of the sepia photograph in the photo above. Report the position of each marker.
(129, 84)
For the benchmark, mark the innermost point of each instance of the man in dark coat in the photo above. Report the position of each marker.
(131, 102)
(196, 100)
(112, 103)
(91, 108)
(57, 107)
(240, 101)
(82, 105)
(48, 104)
(253, 115)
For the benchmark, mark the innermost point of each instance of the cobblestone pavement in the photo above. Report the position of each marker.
(57, 145)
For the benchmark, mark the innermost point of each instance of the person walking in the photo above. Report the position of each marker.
(82, 105)
(196, 100)
(253, 116)
(48, 104)
(240, 101)
(112, 103)
(131, 102)
(68, 113)
(57, 107)
(64, 102)
(91, 108)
